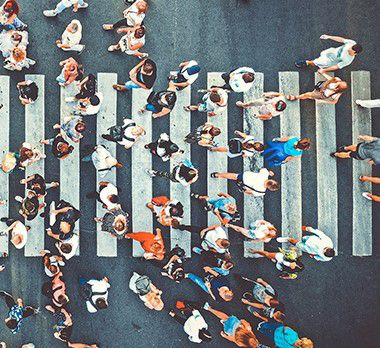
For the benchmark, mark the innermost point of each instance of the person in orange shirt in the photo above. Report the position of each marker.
(153, 245)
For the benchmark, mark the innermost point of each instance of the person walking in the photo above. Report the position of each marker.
(372, 180)
(161, 103)
(114, 222)
(95, 293)
(215, 238)
(131, 42)
(108, 195)
(71, 38)
(17, 230)
(73, 126)
(186, 75)
(259, 231)
(153, 245)
(60, 148)
(72, 70)
(37, 184)
(164, 148)
(89, 106)
(28, 92)
(64, 4)
(239, 80)
(168, 212)
(213, 102)
(317, 244)
(204, 135)
(333, 58)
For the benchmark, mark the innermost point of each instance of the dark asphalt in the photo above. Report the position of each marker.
(336, 303)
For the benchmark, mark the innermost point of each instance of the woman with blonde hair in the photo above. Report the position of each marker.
(18, 60)
(71, 38)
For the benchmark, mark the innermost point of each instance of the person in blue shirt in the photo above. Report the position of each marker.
(284, 149)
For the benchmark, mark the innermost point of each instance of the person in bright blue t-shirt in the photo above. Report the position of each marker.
(284, 149)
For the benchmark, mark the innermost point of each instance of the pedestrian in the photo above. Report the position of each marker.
(29, 155)
(108, 195)
(173, 268)
(333, 58)
(328, 91)
(52, 263)
(372, 180)
(183, 172)
(224, 207)
(56, 291)
(316, 244)
(186, 75)
(282, 150)
(95, 293)
(218, 287)
(68, 247)
(147, 291)
(64, 4)
(29, 205)
(17, 312)
(243, 145)
(161, 103)
(213, 102)
(71, 37)
(28, 92)
(368, 149)
(153, 245)
(60, 148)
(102, 160)
(239, 80)
(9, 20)
(37, 184)
(251, 183)
(215, 238)
(259, 231)
(63, 323)
(126, 135)
(73, 126)
(194, 324)
(114, 222)
(131, 42)
(283, 336)
(271, 104)
(89, 106)
(143, 75)
(133, 16)
(17, 230)
(204, 135)
(72, 70)
(87, 89)
(164, 148)
(168, 212)
(214, 263)
(374, 103)
(11, 39)
(235, 330)
(18, 60)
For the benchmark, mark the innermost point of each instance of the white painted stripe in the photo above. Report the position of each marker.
(70, 166)
(180, 126)
(253, 206)
(291, 184)
(4, 148)
(327, 183)
(106, 244)
(142, 218)
(216, 161)
(34, 132)
(362, 208)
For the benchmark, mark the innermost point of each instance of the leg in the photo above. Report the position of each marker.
(373, 197)
(178, 318)
(268, 255)
(29, 311)
(342, 154)
(122, 23)
(163, 174)
(304, 96)
(228, 176)
(10, 302)
(87, 158)
(371, 179)
(218, 149)
(369, 103)
(220, 315)
(268, 329)
(189, 228)
(131, 85)
(198, 281)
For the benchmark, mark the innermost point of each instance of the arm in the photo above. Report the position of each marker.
(172, 259)
(272, 94)
(262, 282)
(155, 289)
(211, 271)
(240, 134)
(62, 210)
(208, 286)
(281, 139)
(204, 231)
(333, 38)
(239, 229)
(331, 68)
(366, 138)
(164, 112)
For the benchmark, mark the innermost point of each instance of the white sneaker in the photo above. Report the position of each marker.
(70, 99)
(256, 256)
(49, 13)
(18, 199)
(366, 195)
(112, 48)
(84, 5)
(150, 172)
(358, 102)
(144, 55)
(282, 239)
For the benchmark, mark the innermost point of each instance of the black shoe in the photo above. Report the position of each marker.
(4, 219)
(332, 154)
(248, 296)
(301, 64)
(340, 149)
(213, 175)
(42, 215)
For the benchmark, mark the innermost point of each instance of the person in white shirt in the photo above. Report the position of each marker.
(374, 103)
(108, 196)
(193, 324)
(89, 106)
(239, 80)
(131, 43)
(68, 247)
(64, 4)
(319, 246)
(98, 294)
(71, 37)
(186, 75)
(18, 231)
(251, 183)
(213, 102)
(334, 58)
(259, 231)
(52, 263)
(215, 238)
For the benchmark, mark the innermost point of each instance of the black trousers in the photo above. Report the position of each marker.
(10, 302)
(121, 23)
(187, 311)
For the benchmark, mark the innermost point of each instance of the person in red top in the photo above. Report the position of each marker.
(153, 245)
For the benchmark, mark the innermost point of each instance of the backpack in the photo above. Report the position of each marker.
(235, 146)
(117, 132)
(143, 285)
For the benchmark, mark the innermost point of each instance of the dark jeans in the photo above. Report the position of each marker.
(187, 311)
(192, 229)
(121, 23)
(167, 175)
(268, 329)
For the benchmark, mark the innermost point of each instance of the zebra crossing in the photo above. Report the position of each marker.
(180, 125)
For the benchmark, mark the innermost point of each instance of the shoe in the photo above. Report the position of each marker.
(359, 102)
(112, 48)
(49, 13)
(84, 5)
(282, 239)
(332, 154)
(4, 219)
(83, 47)
(301, 64)
(340, 148)
(144, 55)
(366, 195)
(255, 256)
(213, 175)
(248, 296)
(18, 199)
(70, 99)
(206, 306)
(197, 250)
(152, 173)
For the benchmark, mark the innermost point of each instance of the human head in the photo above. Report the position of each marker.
(142, 6)
(272, 185)
(11, 7)
(303, 144)
(357, 48)
(176, 210)
(53, 269)
(215, 131)
(204, 335)
(215, 97)
(17, 239)
(26, 153)
(180, 275)
(224, 243)
(173, 148)
(113, 198)
(66, 248)
(272, 232)
(248, 77)
(138, 131)
(280, 105)
(228, 264)
(155, 301)
(101, 303)
(94, 100)
(304, 343)
(244, 336)
(171, 98)
(63, 299)
(329, 252)
(148, 66)
(120, 225)
(16, 37)
(73, 26)
(226, 294)
(63, 147)
(273, 302)
(80, 127)
(11, 323)
(341, 86)
(139, 32)
(259, 147)
(18, 54)
(156, 247)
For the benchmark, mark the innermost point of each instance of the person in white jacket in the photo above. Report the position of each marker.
(98, 298)
(71, 37)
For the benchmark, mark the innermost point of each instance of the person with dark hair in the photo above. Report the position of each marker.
(108, 195)
(251, 183)
(73, 126)
(29, 205)
(161, 103)
(52, 263)
(184, 173)
(131, 43)
(333, 58)
(259, 231)
(368, 149)
(235, 330)
(143, 75)
(56, 291)
(68, 247)
(64, 4)
(9, 20)
(186, 75)
(270, 105)
(243, 145)
(215, 238)
(28, 91)
(239, 80)
(17, 230)
(317, 244)
(29, 155)
(153, 245)
(63, 323)
(114, 222)
(193, 324)
(163, 147)
(204, 135)
(37, 184)
(168, 212)
(95, 293)
(213, 102)
(282, 150)
(89, 106)
(87, 88)
(60, 148)
(17, 312)
(173, 268)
